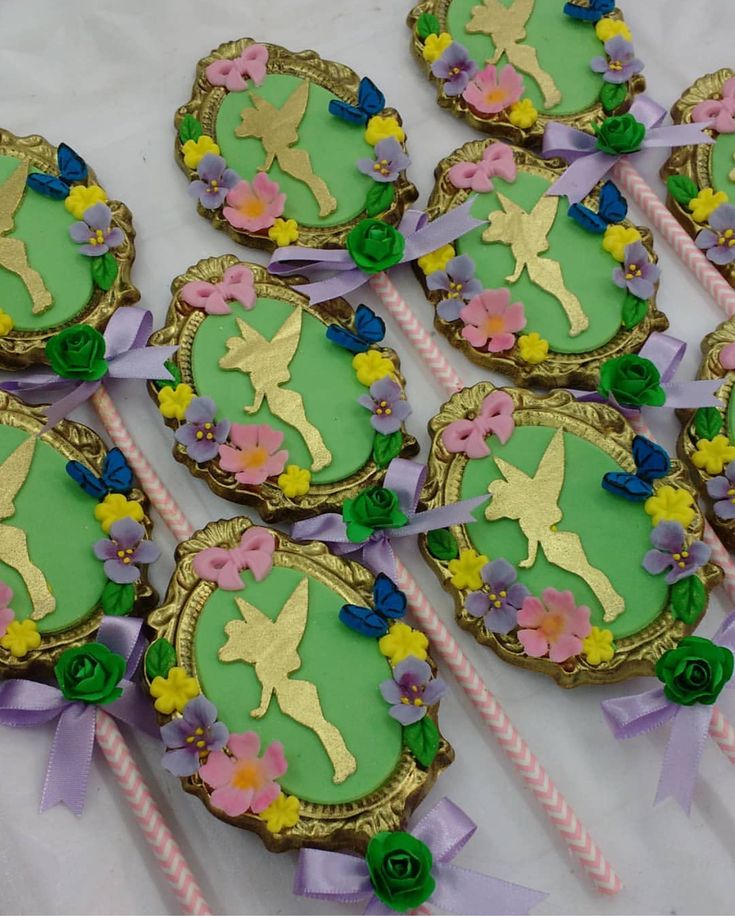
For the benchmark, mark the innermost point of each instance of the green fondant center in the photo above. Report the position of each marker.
(346, 669)
(615, 533)
(723, 163)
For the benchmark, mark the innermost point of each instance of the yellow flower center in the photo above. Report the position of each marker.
(633, 272)
(253, 207)
(247, 776)
(495, 95)
(98, 238)
(552, 626)
(254, 458)
(493, 324)
(382, 166)
(615, 65)
(383, 407)
(214, 185)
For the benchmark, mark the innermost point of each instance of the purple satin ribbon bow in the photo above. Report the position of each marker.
(632, 716)
(30, 703)
(406, 479)
(421, 237)
(445, 830)
(127, 355)
(588, 165)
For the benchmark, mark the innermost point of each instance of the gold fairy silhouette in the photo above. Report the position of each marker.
(534, 502)
(277, 130)
(271, 646)
(506, 26)
(267, 362)
(13, 542)
(13, 254)
(526, 233)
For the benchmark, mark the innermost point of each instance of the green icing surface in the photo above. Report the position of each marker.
(723, 163)
(320, 371)
(333, 145)
(564, 47)
(615, 533)
(346, 668)
(43, 224)
(586, 267)
(731, 417)
(61, 550)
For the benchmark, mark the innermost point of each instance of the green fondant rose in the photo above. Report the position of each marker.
(374, 508)
(90, 674)
(632, 380)
(620, 134)
(695, 672)
(400, 870)
(77, 353)
(375, 246)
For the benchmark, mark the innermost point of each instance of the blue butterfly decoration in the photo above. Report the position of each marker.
(117, 478)
(651, 461)
(369, 329)
(613, 208)
(591, 12)
(389, 604)
(72, 168)
(370, 101)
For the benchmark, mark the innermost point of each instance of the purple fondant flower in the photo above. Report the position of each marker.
(390, 160)
(620, 64)
(722, 489)
(126, 547)
(214, 181)
(456, 68)
(411, 690)
(458, 282)
(94, 233)
(638, 274)
(201, 434)
(189, 739)
(388, 406)
(672, 552)
(498, 603)
(720, 244)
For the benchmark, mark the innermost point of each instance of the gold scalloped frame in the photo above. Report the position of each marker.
(331, 827)
(19, 349)
(603, 427)
(182, 324)
(560, 369)
(74, 442)
(504, 130)
(339, 79)
(695, 161)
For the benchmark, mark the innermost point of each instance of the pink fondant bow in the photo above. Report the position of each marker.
(223, 565)
(719, 111)
(237, 283)
(468, 436)
(496, 160)
(233, 74)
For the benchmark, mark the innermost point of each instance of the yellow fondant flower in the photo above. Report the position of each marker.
(82, 197)
(371, 366)
(21, 637)
(609, 28)
(713, 454)
(380, 128)
(436, 45)
(598, 646)
(195, 150)
(282, 813)
(6, 323)
(173, 692)
(295, 481)
(705, 203)
(523, 113)
(670, 503)
(437, 260)
(402, 641)
(617, 237)
(115, 507)
(284, 232)
(173, 402)
(466, 568)
(533, 348)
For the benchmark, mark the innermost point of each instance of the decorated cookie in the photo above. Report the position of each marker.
(701, 178)
(283, 148)
(279, 713)
(58, 580)
(540, 291)
(511, 66)
(586, 561)
(65, 249)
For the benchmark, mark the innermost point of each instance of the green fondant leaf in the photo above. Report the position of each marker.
(159, 658)
(612, 95)
(104, 270)
(169, 383)
(386, 448)
(688, 599)
(634, 311)
(427, 25)
(681, 188)
(379, 198)
(422, 740)
(442, 544)
(707, 423)
(189, 129)
(118, 598)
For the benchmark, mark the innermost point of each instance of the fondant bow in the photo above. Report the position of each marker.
(444, 830)
(223, 565)
(497, 159)
(469, 436)
(632, 716)
(588, 164)
(237, 283)
(30, 703)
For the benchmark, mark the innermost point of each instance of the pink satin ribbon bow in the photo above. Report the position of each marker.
(223, 565)
(233, 74)
(237, 283)
(496, 160)
(468, 436)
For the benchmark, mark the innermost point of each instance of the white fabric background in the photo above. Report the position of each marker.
(107, 77)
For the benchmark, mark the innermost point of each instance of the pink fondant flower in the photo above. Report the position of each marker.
(493, 90)
(555, 625)
(233, 74)
(490, 320)
(254, 454)
(254, 205)
(244, 782)
(6, 613)
(719, 110)
(497, 159)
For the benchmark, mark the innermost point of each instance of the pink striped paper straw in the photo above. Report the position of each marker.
(723, 732)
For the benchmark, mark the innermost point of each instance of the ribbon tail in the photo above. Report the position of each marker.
(683, 753)
(330, 528)
(379, 557)
(463, 891)
(582, 176)
(333, 287)
(331, 877)
(725, 636)
(446, 228)
(64, 406)
(67, 774)
(407, 480)
(441, 517)
(631, 716)
(134, 709)
(142, 363)
(697, 394)
(677, 135)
